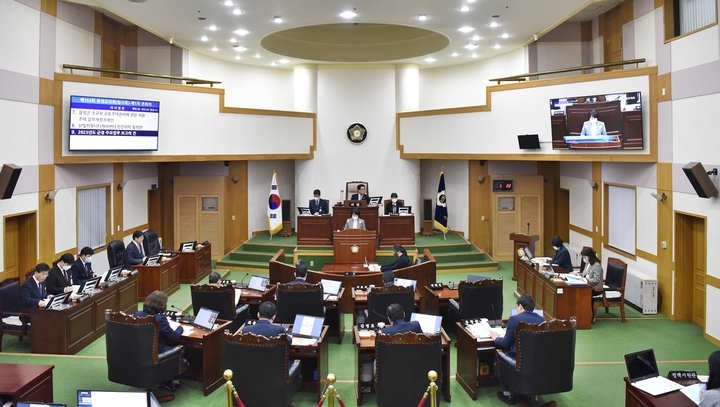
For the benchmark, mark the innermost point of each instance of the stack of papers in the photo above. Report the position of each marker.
(374, 267)
(303, 341)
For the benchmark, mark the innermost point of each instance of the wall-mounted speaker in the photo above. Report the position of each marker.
(698, 177)
(427, 209)
(286, 210)
(8, 179)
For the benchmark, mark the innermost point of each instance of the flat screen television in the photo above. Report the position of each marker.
(113, 124)
(601, 121)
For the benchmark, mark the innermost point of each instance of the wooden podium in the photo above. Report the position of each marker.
(354, 246)
(397, 229)
(314, 230)
(521, 240)
(367, 213)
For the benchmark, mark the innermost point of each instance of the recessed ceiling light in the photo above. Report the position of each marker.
(422, 17)
(465, 9)
(493, 24)
(347, 14)
(214, 48)
(239, 48)
(465, 29)
(273, 64)
(241, 32)
(471, 46)
(213, 28)
(476, 38)
(430, 59)
(284, 61)
(277, 19)
(474, 55)
(203, 38)
(454, 54)
(233, 40)
(257, 56)
(471, 1)
(228, 3)
(237, 11)
(497, 46)
(506, 35)
(237, 57)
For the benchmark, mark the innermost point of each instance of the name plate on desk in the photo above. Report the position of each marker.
(361, 288)
(436, 286)
(682, 375)
(366, 326)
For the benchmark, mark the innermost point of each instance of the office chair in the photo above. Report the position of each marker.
(478, 299)
(613, 293)
(379, 298)
(116, 253)
(151, 243)
(10, 307)
(220, 299)
(293, 299)
(544, 362)
(268, 378)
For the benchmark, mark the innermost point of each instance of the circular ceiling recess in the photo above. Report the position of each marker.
(355, 42)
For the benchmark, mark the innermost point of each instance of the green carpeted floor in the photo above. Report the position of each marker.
(598, 373)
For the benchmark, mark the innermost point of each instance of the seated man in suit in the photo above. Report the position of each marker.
(392, 207)
(264, 326)
(60, 277)
(300, 274)
(32, 292)
(82, 268)
(525, 306)
(355, 222)
(134, 251)
(388, 278)
(318, 206)
(398, 325)
(361, 195)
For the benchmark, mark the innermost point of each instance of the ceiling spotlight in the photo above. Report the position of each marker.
(471, 46)
(241, 32)
(237, 57)
(277, 19)
(239, 48)
(257, 56)
(237, 11)
(422, 17)
(465, 29)
(497, 46)
(213, 28)
(474, 55)
(284, 61)
(430, 59)
(454, 54)
(493, 24)
(506, 35)
(203, 38)
(171, 40)
(476, 38)
(214, 48)
(465, 9)
(347, 14)
(228, 3)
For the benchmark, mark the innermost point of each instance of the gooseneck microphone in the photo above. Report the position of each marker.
(179, 309)
(528, 229)
(384, 317)
(243, 279)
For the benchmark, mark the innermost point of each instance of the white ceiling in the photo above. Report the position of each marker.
(185, 22)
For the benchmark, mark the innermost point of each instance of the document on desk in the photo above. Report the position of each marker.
(374, 267)
(693, 392)
(329, 297)
(238, 293)
(187, 330)
(303, 341)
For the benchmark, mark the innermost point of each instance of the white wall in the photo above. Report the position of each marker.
(456, 190)
(259, 181)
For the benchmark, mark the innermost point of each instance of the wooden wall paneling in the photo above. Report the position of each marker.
(553, 213)
(166, 176)
(49, 7)
(479, 205)
(154, 199)
(117, 226)
(187, 218)
(597, 204)
(111, 45)
(46, 211)
(196, 223)
(10, 248)
(612, 36)
(235, 208)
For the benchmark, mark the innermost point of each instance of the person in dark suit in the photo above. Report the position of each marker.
(562, 256)
(264, 326)
(401, 259)
(300, 274)
(355, 222)
(82, 268)
(318, 206)
(361, 195)
(398, 325)
(392, 207)
(525, 306)
(388, 278)
(60, 277)
(134, 252)
(32, 292)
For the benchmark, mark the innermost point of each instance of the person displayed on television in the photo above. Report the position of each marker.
(60, 277)
(396, 316)
(355, 222)
(134, 251)
(593, 127)
(82, 268)
(392, 207)
(711, 396)
(361, 195)
(318, 206)
(401, 259)
(33, 292)
(562, 256)
(592, 271)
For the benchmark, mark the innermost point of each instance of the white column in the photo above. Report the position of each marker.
(407, 88)
(305, 88)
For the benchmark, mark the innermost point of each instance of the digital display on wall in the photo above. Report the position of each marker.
(112, 124)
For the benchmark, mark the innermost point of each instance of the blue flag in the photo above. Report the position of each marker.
(441, 214)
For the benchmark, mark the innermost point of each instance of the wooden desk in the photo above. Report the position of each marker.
(26, 382)
(336, 271)
(398, 229)
(367, 213)
(68, 331)
(360, 301)
(470, 354)
(366, 350)
(557, 299)
(638, 398)
(164, 277)
(255, 298)
(204, 351)
(354, 246)
(520, 241)
(195, 265)
(435, 300)
(333, 316)
(316, 354)
(315, 230)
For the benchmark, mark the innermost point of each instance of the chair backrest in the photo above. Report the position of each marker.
(151, 243)
(481, 299)
(293, 299)
(10, 295)
(116, 253)
(379, 298)
(132, 343)
(220, 299)
(616, 273)
(546, 355)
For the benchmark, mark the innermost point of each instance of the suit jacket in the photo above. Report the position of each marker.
(389, 208)
(400, 262)
(401, 326)
(321, 208)
(133, 255)
(508, 341)
(79, 272)
(299, 281)
(168, 336)
(355, 197)
(264, 328)
(349, 223)
(594, 274)
(562, 259)
(587, 129)
(31, 294)
(56, 281)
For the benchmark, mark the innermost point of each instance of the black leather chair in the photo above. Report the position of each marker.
(544, 362)
(131, 346)
(267, 378)
(293, 299)
(402, 365)
(379, 298)
(220, 299)
(10, 307)
(478, 299)
(613, 293)
(116, 253)
(151, 243)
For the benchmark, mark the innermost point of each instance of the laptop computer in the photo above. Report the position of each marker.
(188, 246)
(430, 324)
(57, 301)
(100, 398)
(38, 404)
(331, 287)
(205, 319)
(88, 285)
(112, 274)
(404, 282)
(258, 283)
(152, 260)
(304, 210)
(307, 326)
(643, 373)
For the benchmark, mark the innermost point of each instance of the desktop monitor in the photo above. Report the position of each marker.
(205, 319)
(375, 201)
(528, 253)
(188, 246)
(89, 285)
(112, 274)
(404, 282)
(430, 324)
(405, 210)
(152, 260)
(304, 210)
(57, 300)
(258, 283)
(99, 398)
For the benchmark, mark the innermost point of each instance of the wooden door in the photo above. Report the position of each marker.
(20, 245)
(690, 268)
(612, 33)
(10, 252)
(187, 218)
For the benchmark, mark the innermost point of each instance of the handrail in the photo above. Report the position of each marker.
(582, 68)
(188, 81)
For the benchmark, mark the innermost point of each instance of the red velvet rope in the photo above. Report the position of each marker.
(341, 402)
(322, 401)
(422, 401)
(237, 399)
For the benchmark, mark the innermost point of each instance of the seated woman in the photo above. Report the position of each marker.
(355, 222)
(592, 272)
(711, 396)
(401, 259)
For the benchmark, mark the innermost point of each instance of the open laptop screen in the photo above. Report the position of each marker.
(331, 287)
(308, 326)
(641, 365)
(205, 318)
(97, 398)
(430, 324)
(37, 404)
(258, 283)
(404, 282)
